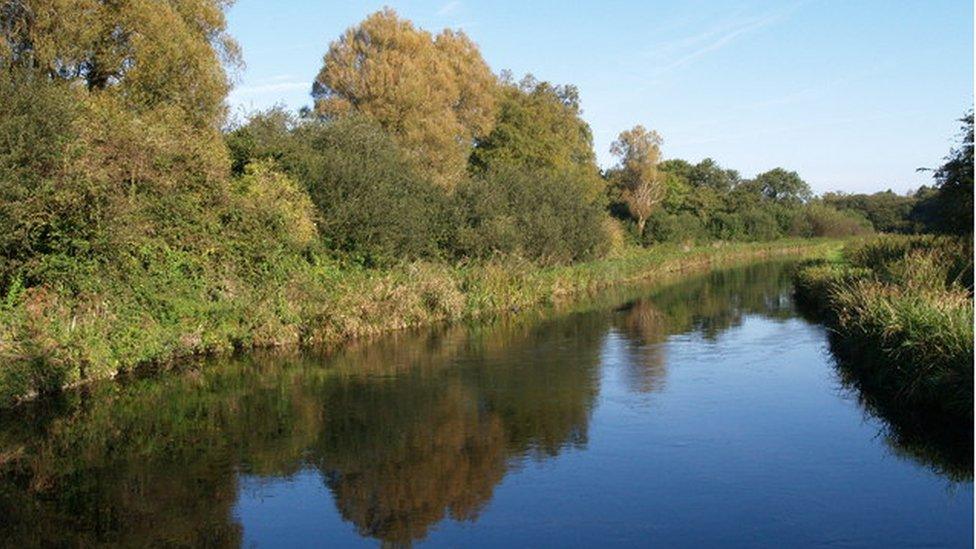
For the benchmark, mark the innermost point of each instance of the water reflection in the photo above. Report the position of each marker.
(945, 447)
(404, 432)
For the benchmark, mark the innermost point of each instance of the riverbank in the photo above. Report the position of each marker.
(901, 310)
(48, 341)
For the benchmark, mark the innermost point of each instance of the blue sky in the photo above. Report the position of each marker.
(854, 95)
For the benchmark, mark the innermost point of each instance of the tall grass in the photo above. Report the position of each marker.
(153, 316)
(902, 308)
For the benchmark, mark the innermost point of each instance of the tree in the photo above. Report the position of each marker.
(779, 185)
(121, 104)
(147, 52)
(708, 174)
(538, 127)
(887, 211)
(642, 183)
(435, 95)
(954, 180)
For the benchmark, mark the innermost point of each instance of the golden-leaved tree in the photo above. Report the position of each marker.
(434, 94)
(642, 183)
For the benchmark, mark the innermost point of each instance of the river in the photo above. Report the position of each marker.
(703, 413)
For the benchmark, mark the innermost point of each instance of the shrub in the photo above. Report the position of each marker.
(817, 219)
(45, 209)
(760, 225)
(727, 226)
(667, 227)
(541, 216)
(372, 205)
(270, 216)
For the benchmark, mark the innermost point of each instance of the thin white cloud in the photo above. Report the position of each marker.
(684, 51)
(281, 78)
(448, 8)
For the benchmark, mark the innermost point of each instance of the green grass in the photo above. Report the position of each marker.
(153, 312)
(903, 318)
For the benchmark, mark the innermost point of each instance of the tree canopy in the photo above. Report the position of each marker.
(148, 52)
(539, 126)
(954, 180)
(435, 95)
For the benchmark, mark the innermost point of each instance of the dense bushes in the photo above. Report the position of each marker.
(44, 210)
(817, 219)
(678, 227)
(903, 318)
(886, 211)
(543, 216)
(372, 204)
(374, 207)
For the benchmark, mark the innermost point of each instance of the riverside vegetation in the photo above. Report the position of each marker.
(902, 306)
(138, 224)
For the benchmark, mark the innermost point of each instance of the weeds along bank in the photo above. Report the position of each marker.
(902, 311)
(51, 340)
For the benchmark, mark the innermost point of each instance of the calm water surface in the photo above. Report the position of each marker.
(699, 414)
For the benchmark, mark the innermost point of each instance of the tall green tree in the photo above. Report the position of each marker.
(539, 126)
(147, 52)
(781, 186)
(134, 91)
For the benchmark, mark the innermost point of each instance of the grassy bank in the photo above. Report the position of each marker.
(902, 312)
(49, 341)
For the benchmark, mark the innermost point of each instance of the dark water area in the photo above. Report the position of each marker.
(703, 413)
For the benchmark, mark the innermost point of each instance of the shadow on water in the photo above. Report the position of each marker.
(404, 431)
(944, 445)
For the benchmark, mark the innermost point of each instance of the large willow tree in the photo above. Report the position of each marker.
(434, 94)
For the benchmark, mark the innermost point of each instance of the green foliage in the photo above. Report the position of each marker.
(903, 312)
(372, 204)
(888, 212)
(540, 216)
(818, 219)
(707, 174)
(680, 227)
(538, 127)
(145, 54)
(782, 186)
(433, 95)
(46, 211)
(952, 204)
